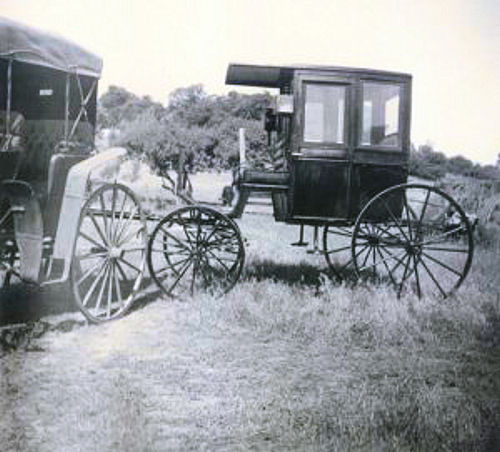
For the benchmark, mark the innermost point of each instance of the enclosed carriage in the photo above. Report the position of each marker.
(338, 151)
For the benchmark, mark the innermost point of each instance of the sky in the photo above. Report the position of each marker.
(151, 47)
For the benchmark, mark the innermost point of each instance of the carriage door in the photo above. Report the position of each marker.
(320, 147)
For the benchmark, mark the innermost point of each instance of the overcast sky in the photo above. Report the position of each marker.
(452, 48)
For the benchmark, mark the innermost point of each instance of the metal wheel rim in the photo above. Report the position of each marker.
(420, 255)
(111, 263)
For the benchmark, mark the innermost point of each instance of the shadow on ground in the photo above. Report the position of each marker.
(301, 273)
(24, 303)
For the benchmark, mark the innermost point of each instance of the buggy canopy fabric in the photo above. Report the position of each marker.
(29, 45)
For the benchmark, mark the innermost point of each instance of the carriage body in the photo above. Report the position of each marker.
(48, 89)
(341, 135)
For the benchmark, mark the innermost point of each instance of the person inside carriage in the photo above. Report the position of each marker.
(273, 163)
(12, 143)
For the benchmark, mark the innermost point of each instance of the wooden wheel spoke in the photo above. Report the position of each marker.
(387, 258)
(87, 256)
(110, 291)
(117, 286)
(180, 276)
(174, 264)
(131, 250)
(397, 259)
(126, 223)
(419, 292)
(386, 231)
(122, 272)
(186, 233)
(218, 260)
(103, 210)
(128, 264)
(94, 284)
(403, 279)
(216, 227)
(98, 228)
(337, 250)
(91, 240)
(442, 264)
(173, 237)
(386, 266)
(88, 272)
(120, 217)
(433, 278)
(101, 291)
(391, 214)
(130, 236)
(367, 256)
(407, 210)
(352, 259)
(113, 212)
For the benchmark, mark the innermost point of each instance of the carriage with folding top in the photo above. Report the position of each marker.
(60, 218)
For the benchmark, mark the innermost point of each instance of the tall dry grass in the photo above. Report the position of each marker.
(359, 369)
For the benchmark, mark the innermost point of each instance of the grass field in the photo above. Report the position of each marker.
(288, 360)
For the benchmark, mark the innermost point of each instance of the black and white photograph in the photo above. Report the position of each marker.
(249, 225)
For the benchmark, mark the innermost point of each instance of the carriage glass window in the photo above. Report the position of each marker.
(380, 120)
(324, 113)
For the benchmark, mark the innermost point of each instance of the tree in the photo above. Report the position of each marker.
(118, 104)
(460, 165)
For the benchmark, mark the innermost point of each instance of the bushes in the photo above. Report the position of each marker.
(201, 128)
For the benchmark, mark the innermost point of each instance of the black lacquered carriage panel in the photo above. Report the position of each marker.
(369, 180)
(319, 189)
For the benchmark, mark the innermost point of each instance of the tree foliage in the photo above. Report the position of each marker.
(200, 127)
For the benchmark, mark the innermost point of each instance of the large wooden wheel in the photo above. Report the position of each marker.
(337, 245)
(415, 237)
(109, 254)
(195, 248)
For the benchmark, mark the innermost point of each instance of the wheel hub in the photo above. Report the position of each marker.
(115, 252)
(414, 248)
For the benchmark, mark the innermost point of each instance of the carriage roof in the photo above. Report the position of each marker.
(29, 45)
(280, 76)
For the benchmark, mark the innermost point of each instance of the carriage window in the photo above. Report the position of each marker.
(381, 115)
(324, 113)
